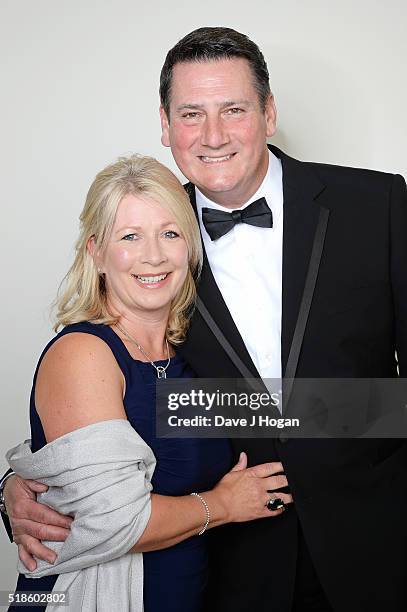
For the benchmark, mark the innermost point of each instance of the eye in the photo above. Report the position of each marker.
(130, 237)
(234, 111)
(190, 115)
(171, 234)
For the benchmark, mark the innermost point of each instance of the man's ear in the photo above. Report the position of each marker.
(91, 248)
(165, 128)
(270, 113)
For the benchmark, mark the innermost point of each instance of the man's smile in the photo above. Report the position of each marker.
(216, 160)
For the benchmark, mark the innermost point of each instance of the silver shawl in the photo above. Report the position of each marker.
(101, 475)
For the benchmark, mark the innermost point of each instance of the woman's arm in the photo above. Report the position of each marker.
(239, 496)
(79, 383)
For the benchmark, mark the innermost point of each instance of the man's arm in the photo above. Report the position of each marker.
(27, 522)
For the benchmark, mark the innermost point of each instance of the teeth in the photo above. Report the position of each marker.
(150, 279)
(215, 160)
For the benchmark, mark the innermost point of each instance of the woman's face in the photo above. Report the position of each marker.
(146, 260)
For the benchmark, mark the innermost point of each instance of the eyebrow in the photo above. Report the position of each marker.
(138, 227)
(224, 104)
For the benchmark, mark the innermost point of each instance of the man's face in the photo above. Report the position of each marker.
(217, 130)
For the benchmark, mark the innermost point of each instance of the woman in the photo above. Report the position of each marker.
(125, 308)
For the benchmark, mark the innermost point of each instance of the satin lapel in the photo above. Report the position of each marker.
(301, 186)
(211, 296)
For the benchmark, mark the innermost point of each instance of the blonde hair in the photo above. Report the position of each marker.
(82, 295)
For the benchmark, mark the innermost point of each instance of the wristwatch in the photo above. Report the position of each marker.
(2, 483)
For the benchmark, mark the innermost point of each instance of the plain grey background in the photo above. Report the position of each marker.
(79, 86)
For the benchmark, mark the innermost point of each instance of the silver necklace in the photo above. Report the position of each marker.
(161, 370)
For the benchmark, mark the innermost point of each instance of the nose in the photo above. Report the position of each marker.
(214, 133)
(153, 252)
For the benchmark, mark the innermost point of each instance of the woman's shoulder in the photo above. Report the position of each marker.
(77, 350)
(82, 350)
(78, 335)
(79, 381)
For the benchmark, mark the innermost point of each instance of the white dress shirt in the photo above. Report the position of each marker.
(247, 267)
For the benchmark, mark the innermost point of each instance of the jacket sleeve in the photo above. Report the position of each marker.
(4, 517)
(398, 259)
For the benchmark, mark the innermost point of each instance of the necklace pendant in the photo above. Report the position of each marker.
(161, 372)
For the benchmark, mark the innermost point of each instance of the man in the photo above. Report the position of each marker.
(321, 293)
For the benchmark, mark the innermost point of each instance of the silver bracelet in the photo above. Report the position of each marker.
(208, 516)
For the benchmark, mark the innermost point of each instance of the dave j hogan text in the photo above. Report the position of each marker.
(256, 420)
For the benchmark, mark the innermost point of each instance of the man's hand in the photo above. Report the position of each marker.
(32, 522)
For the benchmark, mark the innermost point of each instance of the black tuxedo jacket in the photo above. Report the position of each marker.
(350, 494)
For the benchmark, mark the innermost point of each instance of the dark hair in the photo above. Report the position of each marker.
(207, 44)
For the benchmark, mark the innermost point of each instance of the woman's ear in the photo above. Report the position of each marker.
(91, 248)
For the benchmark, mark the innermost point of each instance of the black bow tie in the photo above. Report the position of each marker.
(218, 223)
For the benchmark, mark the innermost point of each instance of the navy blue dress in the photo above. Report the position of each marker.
(174, 578)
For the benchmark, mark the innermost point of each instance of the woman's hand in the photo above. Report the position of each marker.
(240, 496)
(244, 492)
